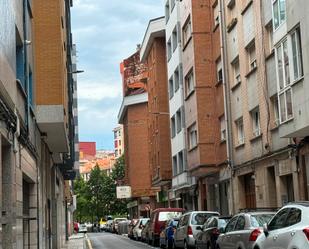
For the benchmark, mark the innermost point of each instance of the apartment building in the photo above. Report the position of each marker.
(56, 110)
(153, 54)
(181, 193)
(133, 115)
(262, 61)
(204, 124)
(118, 141)
(33, 200)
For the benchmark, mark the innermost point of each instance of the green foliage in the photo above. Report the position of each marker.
(97, 197)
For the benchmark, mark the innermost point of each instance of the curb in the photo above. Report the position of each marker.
(88, 242)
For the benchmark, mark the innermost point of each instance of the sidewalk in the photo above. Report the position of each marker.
(76, 241)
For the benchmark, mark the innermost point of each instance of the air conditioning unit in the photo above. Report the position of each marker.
(253, 65)
(277, 122)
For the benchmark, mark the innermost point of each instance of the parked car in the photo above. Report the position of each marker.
(102, 225)
(186, 228)
(123, 227)
(207, 237)
(243, 230)
(145, 232)
(82, 228)
(137, 230)
(115, 224)
(130, 228)
(109, 225)
(158, 218)
(289, 228)
(167, 234)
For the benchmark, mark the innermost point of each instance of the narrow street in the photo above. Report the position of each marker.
(113, 241)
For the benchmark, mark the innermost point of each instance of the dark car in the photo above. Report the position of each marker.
(209, 232)
(157, 220)
(167, 234)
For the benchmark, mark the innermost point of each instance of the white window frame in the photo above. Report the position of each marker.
(189, 81)
(284, 88)
(237, 76)
(167, 11)
(187, 32)
(171, 87)
(240, 131)
(280, 20)
(169, 49)
(192, 136)
(222, 128)
(252, 59)
(173, 126)
(300, 70)
(174, 39)
(219, 69)
(256, 122)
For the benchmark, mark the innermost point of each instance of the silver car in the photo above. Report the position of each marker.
(289, 228)
(186, 228)
(137, 230)
(243, 230)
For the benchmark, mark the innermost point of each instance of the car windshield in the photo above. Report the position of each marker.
(200, 218)
(164, 216)
(258, 220)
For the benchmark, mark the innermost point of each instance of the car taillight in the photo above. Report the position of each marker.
(189, 232)
(255, 233)
(215, 231)
(306, 232)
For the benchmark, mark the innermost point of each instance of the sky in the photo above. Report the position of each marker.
(105, 33)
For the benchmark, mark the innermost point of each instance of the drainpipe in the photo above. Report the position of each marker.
(227, 100)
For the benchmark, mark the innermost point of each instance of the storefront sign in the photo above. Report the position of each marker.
(123, 192)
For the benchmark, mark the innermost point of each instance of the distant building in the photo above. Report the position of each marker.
(118, 141)
(87, 150)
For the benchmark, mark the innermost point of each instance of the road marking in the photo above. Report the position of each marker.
(88, 242)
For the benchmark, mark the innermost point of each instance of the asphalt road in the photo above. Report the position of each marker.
(114, 241)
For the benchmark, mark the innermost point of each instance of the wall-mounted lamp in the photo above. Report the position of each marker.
(77, 71)
(27, 42)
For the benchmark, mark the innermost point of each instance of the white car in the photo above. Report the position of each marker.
(82, 228)
(288, 229)
(137, 230)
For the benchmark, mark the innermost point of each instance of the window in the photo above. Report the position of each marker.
(119, 142)
(116, 153)
(174, 38)
(30, 93)
(279, 12)
(192, 133)
(236, 72)
(223, 129)
(283, 82)
(240, 223)
(251, 56)
(169, 49)
(270, 38)
(20, 62)
(178, 121)
(275, 105)
(189, 81)
(219, 71)
(171, 87)
(176, 79)
(294, 217)
(186, 31)
(181, 161)
(175, 165)
(216, 15)
(230, 226)
(173, 126)
(172, 4)
(278, 221)
(240, 131)
(167, 11)
(255, 116)
(296, 54)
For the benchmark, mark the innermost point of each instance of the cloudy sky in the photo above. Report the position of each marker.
(106, 32)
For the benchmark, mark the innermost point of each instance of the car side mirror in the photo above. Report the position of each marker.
(265, 229)
(199, 228)
(222, 230)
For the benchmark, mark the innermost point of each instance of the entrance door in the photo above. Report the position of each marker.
(249, 182)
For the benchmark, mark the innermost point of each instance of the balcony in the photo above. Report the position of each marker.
(182, 180)
(52, 123)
